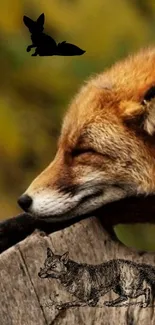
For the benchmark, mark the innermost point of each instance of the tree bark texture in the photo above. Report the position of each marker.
(28, 299)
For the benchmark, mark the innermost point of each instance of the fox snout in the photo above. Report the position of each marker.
(42, 273)
(64, 190)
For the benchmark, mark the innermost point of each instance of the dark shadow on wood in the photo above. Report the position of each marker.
(131, 210)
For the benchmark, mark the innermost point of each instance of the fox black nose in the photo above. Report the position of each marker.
(25, 202)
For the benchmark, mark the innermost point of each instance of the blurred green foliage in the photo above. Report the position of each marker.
(35, 91)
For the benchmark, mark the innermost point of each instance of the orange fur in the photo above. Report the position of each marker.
(107, 139)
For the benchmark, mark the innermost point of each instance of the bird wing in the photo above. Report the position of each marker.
(67, 49)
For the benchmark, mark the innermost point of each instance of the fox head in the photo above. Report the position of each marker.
(106, 149)
(35, 27)
(54, 266)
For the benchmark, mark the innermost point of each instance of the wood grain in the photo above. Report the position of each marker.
(24, 295)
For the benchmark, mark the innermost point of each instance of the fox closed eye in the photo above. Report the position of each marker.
(80, 151)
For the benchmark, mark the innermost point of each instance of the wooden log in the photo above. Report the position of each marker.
(28, 299)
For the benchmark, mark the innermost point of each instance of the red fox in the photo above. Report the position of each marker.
(106, 149)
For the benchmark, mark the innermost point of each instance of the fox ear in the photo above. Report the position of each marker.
(49, 252)
(64, 258)
(28, 21)
(150, 94)
(145, 110)
(149, 104)
(41, 19)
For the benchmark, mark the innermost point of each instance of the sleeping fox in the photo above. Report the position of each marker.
(106, 149)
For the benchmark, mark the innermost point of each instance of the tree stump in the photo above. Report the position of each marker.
(28, 299)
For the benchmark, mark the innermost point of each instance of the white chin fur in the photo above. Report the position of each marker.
(48, 203)
(110, 194)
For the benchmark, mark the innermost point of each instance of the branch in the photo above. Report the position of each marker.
(138, 209)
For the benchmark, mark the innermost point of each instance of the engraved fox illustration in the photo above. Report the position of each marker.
(106, 148)
(89, 282)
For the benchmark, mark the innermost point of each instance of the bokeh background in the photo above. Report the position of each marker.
(35, 91)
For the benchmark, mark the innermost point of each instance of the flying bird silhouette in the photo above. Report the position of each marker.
(45, 45)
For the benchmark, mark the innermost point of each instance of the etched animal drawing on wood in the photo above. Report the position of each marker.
(87, 282)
